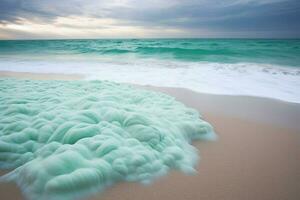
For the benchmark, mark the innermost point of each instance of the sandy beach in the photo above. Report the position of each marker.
(255, 157)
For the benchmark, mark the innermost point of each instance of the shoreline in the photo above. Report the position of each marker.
(40, 76)
(61, 76)
(228, 105)
(255, 157)
(286, 114)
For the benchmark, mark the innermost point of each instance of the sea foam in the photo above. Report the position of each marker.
(250, 79)
(69, 139)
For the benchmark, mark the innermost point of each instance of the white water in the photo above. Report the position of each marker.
(251, 79)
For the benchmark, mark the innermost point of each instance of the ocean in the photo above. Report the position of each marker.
(253, 67)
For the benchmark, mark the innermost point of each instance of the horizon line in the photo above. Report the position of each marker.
(150, 38)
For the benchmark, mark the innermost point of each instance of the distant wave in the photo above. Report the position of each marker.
(117, 51)
(186, 53)
(103, 51)
(175, 52)
(281, 52)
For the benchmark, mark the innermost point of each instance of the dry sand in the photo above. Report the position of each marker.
(256, 156)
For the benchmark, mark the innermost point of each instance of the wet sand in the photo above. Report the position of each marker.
(256, 156)
(44, 76)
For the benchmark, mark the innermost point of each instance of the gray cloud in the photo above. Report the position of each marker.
(256, 17)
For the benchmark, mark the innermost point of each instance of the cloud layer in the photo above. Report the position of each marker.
(149, 18)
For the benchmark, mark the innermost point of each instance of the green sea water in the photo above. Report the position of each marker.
(282, 52)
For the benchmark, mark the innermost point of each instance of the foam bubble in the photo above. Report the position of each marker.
(252, 79)
(68, 139)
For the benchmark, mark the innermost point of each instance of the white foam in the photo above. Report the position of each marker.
(251, 79)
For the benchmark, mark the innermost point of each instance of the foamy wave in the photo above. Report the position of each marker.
(253, 79)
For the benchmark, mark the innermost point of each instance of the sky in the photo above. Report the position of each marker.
(58, 19)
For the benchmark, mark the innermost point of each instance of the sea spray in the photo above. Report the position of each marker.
(69, 139)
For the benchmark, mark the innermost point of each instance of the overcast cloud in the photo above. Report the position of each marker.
(149, 18)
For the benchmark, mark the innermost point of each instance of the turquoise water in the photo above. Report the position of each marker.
(253, 67)
(68, 139)
(284, 52)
